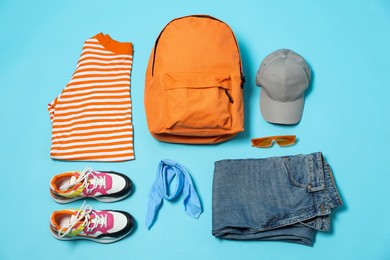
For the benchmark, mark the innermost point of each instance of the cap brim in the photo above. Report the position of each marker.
(277, 112)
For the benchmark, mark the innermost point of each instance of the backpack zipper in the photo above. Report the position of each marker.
(229, 96)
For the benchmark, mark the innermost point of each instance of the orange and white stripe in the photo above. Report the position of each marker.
(91, 119)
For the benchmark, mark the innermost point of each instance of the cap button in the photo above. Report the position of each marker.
(284, 56)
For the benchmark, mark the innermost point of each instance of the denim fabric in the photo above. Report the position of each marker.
(279, 198)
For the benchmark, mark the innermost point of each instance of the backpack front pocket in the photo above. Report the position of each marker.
(197, 101)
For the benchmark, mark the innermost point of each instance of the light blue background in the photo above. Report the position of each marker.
(346, 117)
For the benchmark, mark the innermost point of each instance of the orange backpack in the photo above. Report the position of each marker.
(194, 80)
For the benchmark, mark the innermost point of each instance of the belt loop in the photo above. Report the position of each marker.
(316, 172)
(314, 189)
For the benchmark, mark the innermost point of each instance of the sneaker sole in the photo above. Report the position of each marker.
(100, 198)
(99, 240)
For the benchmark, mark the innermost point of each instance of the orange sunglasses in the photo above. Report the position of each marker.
(281, 140)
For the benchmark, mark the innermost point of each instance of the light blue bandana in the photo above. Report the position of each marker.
(166, 172)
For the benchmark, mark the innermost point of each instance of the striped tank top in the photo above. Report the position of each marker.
(91, 118)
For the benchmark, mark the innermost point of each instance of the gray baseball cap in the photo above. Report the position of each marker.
(284, 77)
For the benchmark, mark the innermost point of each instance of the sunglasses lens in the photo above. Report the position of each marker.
(284, 141)
(262, 142)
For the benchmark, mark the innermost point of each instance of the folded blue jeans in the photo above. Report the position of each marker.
(285, 198)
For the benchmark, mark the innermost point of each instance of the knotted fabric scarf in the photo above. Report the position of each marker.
(167, 170)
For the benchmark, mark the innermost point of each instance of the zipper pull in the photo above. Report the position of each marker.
(229, 96)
